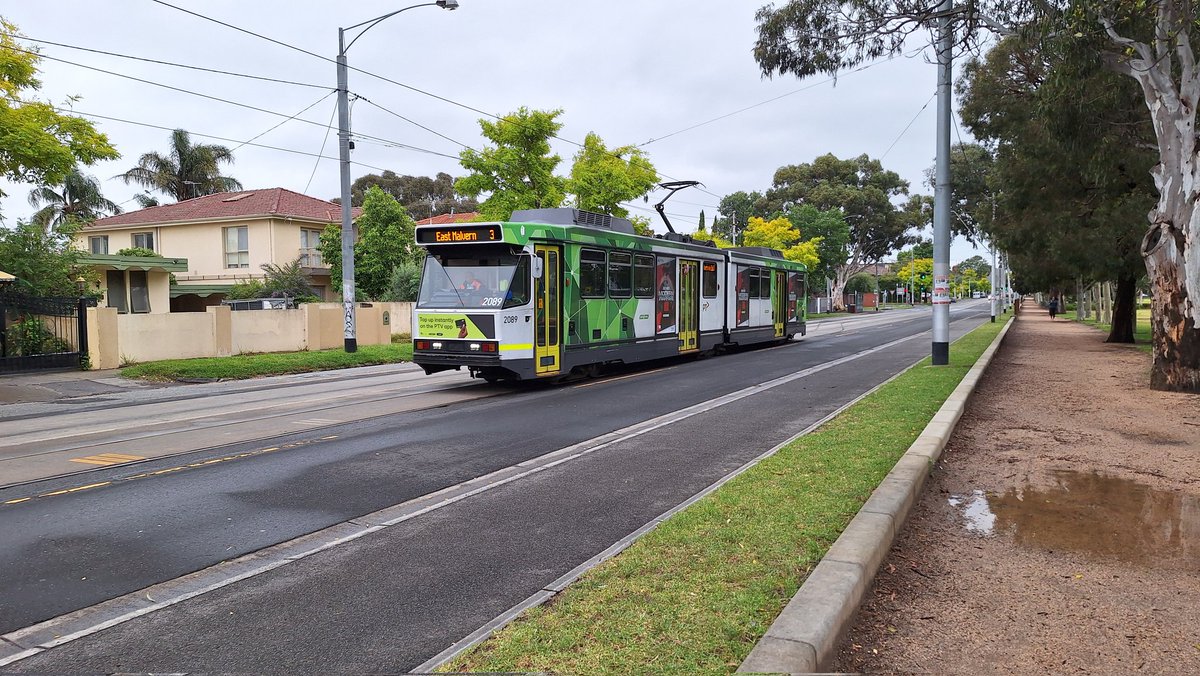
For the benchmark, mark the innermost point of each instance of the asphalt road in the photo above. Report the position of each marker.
(388, 601)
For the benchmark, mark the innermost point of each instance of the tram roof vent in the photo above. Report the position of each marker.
(764, 251)
(568, 216)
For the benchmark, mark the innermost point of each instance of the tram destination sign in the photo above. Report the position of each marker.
(459, 234)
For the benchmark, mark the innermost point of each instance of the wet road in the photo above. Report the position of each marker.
(391, 601)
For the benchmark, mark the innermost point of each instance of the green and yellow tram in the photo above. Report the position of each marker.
(553, 292)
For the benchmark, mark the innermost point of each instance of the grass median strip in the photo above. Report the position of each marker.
(1141, 327)
(256, 365)
(695, 594)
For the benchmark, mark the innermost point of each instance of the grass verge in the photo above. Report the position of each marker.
(1141, 329)
(255, 365)
(695, 594)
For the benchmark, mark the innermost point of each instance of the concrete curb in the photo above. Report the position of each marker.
(805, 635)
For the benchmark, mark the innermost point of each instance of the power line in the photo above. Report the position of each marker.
(395, 144)
(280, 124)
(906, 127)
(322, 150)
(763, 103)
(414, 123)
(166, 63)
(70, 111)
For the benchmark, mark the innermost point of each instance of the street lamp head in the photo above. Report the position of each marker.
(447, 4)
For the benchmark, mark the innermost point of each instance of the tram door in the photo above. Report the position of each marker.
(689, 308)
(548, 303)
(779, 301)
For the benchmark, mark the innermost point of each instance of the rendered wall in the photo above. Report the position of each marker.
(118, 339)
(269, 331)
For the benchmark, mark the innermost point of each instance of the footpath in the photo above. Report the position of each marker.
(1060, 529)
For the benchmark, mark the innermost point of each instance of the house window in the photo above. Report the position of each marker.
(144, 240)
(310, 248)
(118, 297)
(237, 247)
(98, 244)
(139, 291)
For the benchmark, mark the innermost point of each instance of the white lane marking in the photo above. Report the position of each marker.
(87, 621)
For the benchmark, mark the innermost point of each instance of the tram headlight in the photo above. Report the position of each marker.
(474, 347)
(435, 346)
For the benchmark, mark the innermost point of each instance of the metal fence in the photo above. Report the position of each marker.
(39, 333)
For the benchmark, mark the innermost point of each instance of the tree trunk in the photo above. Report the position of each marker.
(1124, 314)
(1080, 300)
(1174, 334)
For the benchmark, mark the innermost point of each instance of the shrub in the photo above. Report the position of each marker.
(139, 251)
(29, 336)
(405, 282)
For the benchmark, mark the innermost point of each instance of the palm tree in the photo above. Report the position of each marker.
(77, 198)
(188, 171)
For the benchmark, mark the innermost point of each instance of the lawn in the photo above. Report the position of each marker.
(1141, 330)
(256, 365)
(695, 594)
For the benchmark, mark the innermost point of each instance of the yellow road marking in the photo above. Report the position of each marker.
(107, 459)
(13, 502)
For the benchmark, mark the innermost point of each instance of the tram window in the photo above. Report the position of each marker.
(620, 274)
(708, 279)
(591, 273)
(517, 291)
(643, 276)
(764, 283)
(753, 275)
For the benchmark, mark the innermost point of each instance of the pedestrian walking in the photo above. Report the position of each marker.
(1053, 307)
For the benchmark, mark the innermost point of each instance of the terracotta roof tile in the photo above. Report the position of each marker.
(246, 203)
(444, 219)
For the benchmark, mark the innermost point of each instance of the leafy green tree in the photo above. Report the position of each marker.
(862, 190)
(833, 232)
(405, 282)
(139, 251)
(188, 170)
(1152, 44)
(385, 240)
(601, 178)
(288, 280)
(518, 170)
(976, 263)
(919, 273)
(702, 225)
(44, 258)
(1073, 178)
(863, 282)
(780, 234)
(38, 144)
(78, 198)
(736, 210)
(422, 196)
(641, 226)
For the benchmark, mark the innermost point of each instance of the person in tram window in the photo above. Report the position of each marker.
(471, 283)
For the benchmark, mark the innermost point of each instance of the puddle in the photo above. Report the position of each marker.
(1095, 514)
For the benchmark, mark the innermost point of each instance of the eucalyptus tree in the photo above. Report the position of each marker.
(1150, 42)
(1072, 165)
(861, 190)
(78, 198)
(187, 170)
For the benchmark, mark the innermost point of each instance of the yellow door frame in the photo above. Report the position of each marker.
(689, 315)
(547, 327)
(779, 301)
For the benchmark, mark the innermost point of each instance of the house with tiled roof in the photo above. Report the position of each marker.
(225, 238)
(447, 219)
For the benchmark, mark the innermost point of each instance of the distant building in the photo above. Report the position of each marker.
(225, 239)
(446, 219)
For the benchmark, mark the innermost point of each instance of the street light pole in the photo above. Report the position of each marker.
(343, 100)
(941, 196)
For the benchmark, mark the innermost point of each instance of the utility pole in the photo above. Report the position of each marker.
(995, 284)
(941, 195)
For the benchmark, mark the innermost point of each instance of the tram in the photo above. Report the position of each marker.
(557, 292)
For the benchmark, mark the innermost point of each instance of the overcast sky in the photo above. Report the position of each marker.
(634, 72)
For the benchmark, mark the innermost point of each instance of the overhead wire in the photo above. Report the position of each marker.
(165, 63)
(72, 111)
(283, 122)
(320, 152)
(908, 126)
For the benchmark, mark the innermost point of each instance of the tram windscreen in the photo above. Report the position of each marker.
(476, 283)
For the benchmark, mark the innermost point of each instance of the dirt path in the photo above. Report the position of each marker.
(1060, 533)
